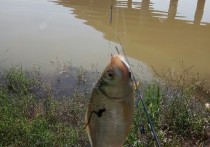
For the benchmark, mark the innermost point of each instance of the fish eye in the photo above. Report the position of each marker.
(110, 74)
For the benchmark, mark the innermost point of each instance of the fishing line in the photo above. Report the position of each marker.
(110, 20)
(138, 91)
(124, 24)
(117, 20)
(110, 23)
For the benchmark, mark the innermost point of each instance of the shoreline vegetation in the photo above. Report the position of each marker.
(37, 110)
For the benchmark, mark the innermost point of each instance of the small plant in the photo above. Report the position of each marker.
(17, 81)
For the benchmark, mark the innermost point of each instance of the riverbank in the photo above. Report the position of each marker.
(37, 110)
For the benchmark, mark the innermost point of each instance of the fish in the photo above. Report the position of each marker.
(111, 108)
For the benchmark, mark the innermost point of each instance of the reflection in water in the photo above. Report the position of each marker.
(199, 11)
(172, 9)
(145, 5)
(146, 35)
(159, 33)
(129, 3)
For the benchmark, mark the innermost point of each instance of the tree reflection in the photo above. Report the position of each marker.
(145, 5)
(172, 9)
(199, 12)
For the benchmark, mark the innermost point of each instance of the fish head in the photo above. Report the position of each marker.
(117, 71)
(116, 78)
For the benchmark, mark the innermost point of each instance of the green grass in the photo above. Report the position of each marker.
(177, 110)
(28, 120)
(31, 114)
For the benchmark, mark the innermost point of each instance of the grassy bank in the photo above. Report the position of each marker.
(33, 111)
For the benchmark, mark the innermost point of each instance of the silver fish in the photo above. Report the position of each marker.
(111, 108)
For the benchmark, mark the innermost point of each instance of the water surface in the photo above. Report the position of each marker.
(159, 33)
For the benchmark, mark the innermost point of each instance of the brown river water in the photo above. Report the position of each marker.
(157, 33)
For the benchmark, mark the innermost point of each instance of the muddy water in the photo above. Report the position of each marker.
(159, 33)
